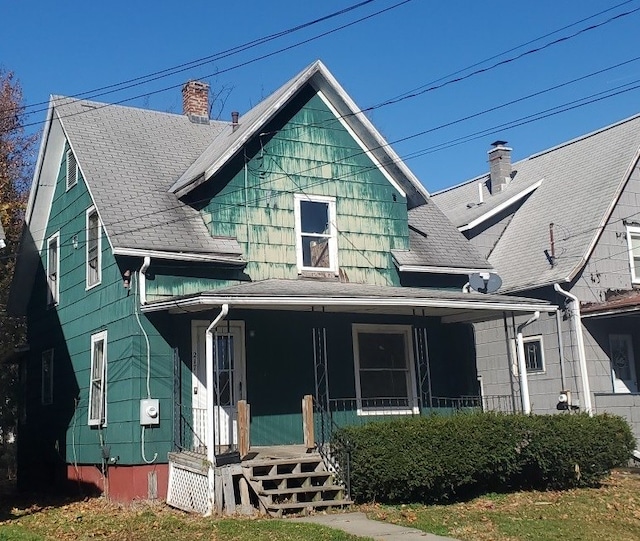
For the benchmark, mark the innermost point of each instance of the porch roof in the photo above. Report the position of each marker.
(329, 296)
(626, 303)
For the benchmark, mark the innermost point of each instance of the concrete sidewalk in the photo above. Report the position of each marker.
(359, 524)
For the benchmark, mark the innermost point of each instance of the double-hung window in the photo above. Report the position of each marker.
(47, 377)
(384, 365)
(94, 251)
(633, 242)
(98, 383)
(316, 233)
(53, 269)
(72, 169)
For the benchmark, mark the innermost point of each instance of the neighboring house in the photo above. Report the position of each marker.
(562, 225)
(174, 268)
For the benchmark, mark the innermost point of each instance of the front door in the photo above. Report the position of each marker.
(228, 382)
(623, 369)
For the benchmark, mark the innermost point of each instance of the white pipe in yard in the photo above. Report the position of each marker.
(522, 365)
(582, 358)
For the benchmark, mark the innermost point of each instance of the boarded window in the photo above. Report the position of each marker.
(72, 169)
(94, 272)
(97, 386)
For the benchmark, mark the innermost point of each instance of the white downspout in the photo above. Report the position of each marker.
(211, 454)
(522, 365)
(582, 358)
(143, 280)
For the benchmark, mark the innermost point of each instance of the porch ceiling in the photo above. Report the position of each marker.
(329, 296)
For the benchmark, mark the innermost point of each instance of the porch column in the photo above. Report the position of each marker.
(522, 366)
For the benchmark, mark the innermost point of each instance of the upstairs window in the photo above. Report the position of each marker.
(98, 383)
(72, 169)
(633, 241)
(316, 238)
(47, 377)
(94, 251)
(53, 269)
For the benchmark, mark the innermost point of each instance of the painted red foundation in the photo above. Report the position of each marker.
(123, 483)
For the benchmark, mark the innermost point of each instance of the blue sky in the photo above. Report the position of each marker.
(72, 47)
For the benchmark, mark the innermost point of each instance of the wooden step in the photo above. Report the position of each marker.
(283, 476)
(283, 461)
(280, 507)
(300, 490)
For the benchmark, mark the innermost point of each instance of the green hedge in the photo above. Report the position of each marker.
(438, 458)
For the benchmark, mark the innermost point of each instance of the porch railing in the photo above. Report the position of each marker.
(191, 432)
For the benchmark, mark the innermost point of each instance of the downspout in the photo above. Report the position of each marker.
(563, 377)
(143, 280)
(582, 359)
(211, 455)
(522, 365)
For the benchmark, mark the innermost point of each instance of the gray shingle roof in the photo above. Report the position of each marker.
(129, 158)
(582, 179)
(318, 76)
(435, 242)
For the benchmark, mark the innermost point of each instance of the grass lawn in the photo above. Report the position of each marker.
(611, 512)
(608, 513)
(98, 519)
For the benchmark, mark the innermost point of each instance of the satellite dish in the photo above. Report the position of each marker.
(485, 282)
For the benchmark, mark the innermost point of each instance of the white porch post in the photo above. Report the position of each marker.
(210, 400)
(522, 366)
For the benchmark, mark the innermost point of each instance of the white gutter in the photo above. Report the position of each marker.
(180, 256)
(143, 280)
(522, 365)
(195, 302)
(582, 359)
(500, 207)
(211, 451)
(438, 270)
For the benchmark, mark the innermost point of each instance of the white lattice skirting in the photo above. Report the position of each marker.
(188, 490)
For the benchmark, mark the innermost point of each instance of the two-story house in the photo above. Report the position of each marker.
(562, 225)
(175, 270)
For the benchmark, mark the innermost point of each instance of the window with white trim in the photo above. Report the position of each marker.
(633, 242)
(53, 269)
(533, 354)
(47, 377)
(94, 249)
(316, 233)
(72, 169)
(384, 366)
(98, 383)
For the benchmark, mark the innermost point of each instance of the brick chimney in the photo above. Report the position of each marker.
(499, 166)
(195, 101)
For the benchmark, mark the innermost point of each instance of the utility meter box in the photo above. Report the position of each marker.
(149, 412)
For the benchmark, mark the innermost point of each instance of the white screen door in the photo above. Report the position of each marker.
(228, 385)
(623, 369)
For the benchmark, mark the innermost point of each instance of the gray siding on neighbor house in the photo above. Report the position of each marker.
(608, 268)
(625, 405)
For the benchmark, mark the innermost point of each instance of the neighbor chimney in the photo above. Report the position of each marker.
(195, 101)
(234, 120)
(499, 166)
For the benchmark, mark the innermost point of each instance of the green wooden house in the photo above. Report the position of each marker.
(189, 282)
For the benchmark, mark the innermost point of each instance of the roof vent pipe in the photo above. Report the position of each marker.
(499, 166)
(234, 120)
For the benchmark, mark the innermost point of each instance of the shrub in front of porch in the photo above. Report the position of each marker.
(445, 458)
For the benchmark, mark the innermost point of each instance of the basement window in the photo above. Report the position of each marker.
(98, 383)
(47, 377)
(53, 269)
(94, 252)
(384, 366)
(72, 169)
(633, 241)
(316, 233)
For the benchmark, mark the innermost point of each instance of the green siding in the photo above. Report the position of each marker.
(60, 432)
